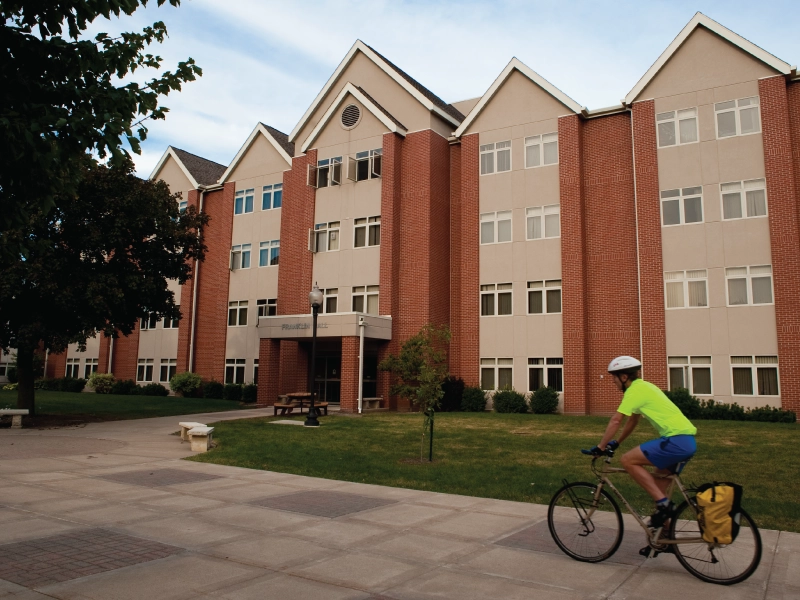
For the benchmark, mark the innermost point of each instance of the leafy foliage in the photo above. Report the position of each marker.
(694, 408)
(102, 382)
(453, 388)
(544, 401)
(233, 391)
(153, 389)
(185, 383)
(125, 387)
(250, 393)
(473, 399)
(509, 401)
(213, 389)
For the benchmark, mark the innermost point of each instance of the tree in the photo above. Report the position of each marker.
(421, 368)
(63, 97)
(96, 262)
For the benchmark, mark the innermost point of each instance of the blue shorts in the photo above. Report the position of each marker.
(668, 452)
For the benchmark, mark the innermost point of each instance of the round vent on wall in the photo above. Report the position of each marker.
(350, 116)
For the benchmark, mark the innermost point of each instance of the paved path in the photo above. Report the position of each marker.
(109, 511)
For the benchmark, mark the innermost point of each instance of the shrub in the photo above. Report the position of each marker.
(10, 387)
(233, 391)
(213, 389)
(68, 384)
(125, 387)
(46, 384)
(153, 389)
(688, 404)
(186, 383)
(544, 401)
(102, 382)
(772, 415)
(473, 399)
(11, 374)
(710, 409)
(453, 388)
(250, 393)
(510, 401)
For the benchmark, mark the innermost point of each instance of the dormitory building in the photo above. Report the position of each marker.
(548, 237)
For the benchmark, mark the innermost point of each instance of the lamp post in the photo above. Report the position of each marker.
(315, 299)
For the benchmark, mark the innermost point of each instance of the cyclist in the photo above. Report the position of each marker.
(667, 453)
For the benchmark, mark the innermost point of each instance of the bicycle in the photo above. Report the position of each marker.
(586, 524)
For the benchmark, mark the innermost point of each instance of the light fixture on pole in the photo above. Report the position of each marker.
(315, 299)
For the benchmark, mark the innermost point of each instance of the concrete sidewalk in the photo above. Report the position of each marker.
(110, 511)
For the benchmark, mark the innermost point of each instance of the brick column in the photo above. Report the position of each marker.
(126, 355)
(289, 378)
(187, 300)
(102, 356)
(651, 264)
(349, 390)
(784, 228)
(465, 263)
(56, 365)
(268, 362)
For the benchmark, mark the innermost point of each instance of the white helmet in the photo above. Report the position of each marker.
(623, 363)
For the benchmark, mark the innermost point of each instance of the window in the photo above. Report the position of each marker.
(690, 372)
(765, 379)
(366, 165)
(755, 199)
(541, 150)
(267, 307)
(682, 206)
(240, 257)
(686, 288)
(366, 296)
(367, 232)
(90, 367)
(243, 202)
(172, 323)
(546, 372)
(269, 253)
(496, 227)
(73, 368)
(331, 303)
(272, 196)
(677, 127)
(169, 366)
(182, 205)
(495, 158)
(543, 222)
(327, 172)
(255, 371)
(149, 321)
(144, 370)
(496, 295)
(234, 370)
(544, 296)
(237, 313)
(325, 237)
(737, 117)
(749, 285)
(497, 374)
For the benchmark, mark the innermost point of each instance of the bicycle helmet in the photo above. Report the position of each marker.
(624, 363)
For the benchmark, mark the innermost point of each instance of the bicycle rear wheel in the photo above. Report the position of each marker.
(585, 524)
(721, 564)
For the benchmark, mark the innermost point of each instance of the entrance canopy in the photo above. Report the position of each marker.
(298, 327)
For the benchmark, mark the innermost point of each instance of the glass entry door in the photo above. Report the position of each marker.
(328, 377)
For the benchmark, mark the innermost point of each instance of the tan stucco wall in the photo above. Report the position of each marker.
(172, 174)
(464, 106)
(261, 157)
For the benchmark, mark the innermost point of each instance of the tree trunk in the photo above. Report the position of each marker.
(25, 376)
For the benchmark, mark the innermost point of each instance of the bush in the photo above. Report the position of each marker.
(213, 389)
(453, 388)
(102, 382)
(694, 408)
(125, 387)
(772, 415)
(233, 391)
(250, 393)
(510, 401)
(10, 387)
(473, 399)
(47, 384)
(11, 374)
(688, 404)
(153, 389)
(68, 384)
(186, 383)
(544, 401)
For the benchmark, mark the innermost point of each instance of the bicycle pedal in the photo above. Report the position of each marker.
(649, 552)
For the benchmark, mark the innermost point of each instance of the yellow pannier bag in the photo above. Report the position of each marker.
(718, 511)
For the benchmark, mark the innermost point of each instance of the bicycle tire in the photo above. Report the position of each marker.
(592, 539)
(723, 565)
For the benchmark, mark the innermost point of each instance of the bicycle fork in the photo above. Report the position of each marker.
(583, 514)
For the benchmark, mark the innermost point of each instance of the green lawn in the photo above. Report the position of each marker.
(512, 457)
(110, 407)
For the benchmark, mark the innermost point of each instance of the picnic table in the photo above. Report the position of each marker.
(301, 401)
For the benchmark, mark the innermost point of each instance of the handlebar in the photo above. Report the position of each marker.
(611, 448)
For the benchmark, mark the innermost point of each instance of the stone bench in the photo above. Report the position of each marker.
(186, 426)
(200, 438)
(371, 403)
(15, 414)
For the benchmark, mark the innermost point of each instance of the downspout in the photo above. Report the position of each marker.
(46, 356)
(361, 326)
(110, 355)
(195, 280)
(638, 251)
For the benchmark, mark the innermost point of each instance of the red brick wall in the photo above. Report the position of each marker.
(349, 373)
(454, 356)
(187, 299)
(56, 365)
(125, 355)
(102, 356)
(293, 368)
(212, 291)
(268, 369)
(439, 229)
(784, 229)
(651, 264)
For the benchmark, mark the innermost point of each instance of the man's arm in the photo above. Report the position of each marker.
(630, 425)
(611, 430)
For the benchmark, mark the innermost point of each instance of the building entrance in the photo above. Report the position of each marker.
(328, 377)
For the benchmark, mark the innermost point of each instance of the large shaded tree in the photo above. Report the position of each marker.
(62, 96)
(96, 262)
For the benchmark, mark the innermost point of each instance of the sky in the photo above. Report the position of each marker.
(266, 60)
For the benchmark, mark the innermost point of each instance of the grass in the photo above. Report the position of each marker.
(511, 457)
(112, 407)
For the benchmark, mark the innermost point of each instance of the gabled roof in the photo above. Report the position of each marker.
(517, 65)
(701, 20)
(198, 170)
(422, 94)
(359, 94)
(278, 139)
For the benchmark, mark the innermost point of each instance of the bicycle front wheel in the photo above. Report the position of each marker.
(585, 522)
(715, 563)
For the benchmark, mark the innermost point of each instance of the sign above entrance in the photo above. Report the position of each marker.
(320, 325)
(292, 327)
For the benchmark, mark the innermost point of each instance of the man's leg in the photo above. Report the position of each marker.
(634, 462)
